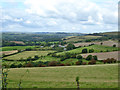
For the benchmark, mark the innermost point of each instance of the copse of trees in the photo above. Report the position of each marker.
(85, 50)
(70, 46)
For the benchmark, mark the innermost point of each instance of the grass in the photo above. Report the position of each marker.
(101, 76)
(9, 48)
(80, 38)
(97, 49)
(27, 54)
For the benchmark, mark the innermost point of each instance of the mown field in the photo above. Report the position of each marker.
(97, 49)
(27, 54)
(91, 76)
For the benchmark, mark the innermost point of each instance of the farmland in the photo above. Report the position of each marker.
(54, 60)
(98, 76)
(27, 54)
(105, 43)
(97, 48)
(9, 48)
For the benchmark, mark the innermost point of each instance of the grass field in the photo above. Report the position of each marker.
(97, 49)
(9, 48)
(80, 38)
(27, 54)
(91, 76)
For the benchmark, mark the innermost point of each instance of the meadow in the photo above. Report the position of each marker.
(95, 76)
(27, 54)
(9, 48)
(97, 49)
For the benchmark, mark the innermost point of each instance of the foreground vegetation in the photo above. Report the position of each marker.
(101, 76)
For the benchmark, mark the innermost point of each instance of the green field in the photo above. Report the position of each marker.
(97, 49)
(27, 54)
(96, 76)
(9, 48)
(80, 38)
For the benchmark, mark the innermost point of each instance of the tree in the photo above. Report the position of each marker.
(95, 57)
(114, 45)
(36, 57)
(84, 50)
(89, 57)
(91, 50)
(70, 46)
(79, 57)
(101, 43)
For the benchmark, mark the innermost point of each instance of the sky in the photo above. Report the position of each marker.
(83, 16)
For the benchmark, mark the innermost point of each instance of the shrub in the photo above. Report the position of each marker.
(53, 63)
(36, 57)
(91, 50)
(61, 64)
(114, 45)
(70, 46)
(68, 64)
(29, 58)
(84, 63)
(19, 65)
(84, 50)
(79, 57)
(73, 56)
(92, 62)
(104, 61)
(62, 59)
(95, 57)
(79, 63)
(13, 66)
(89, 57)
(29, 64)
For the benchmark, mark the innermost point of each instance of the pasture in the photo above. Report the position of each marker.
(105, 43)
(91, 76)
(80, 38)
(104, 55)
(9, 48)
(97, 49)
(27, 54)
(9, 52)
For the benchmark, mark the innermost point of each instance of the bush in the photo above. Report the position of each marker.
(85, 50)
(79, 57)
(89, 57)
(91, 50)
(29, 64)
(19, 65)
(62, 59)
(36, 57)
(13, 66)
(68, 64)
(84, 63)
(73, 56)
(92, 62)
(53, 63)
(61, 64)
(95, 57)
(114, 45)
(70, 46)
(79, 63)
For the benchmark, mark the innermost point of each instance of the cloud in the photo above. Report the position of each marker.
(61, 15)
